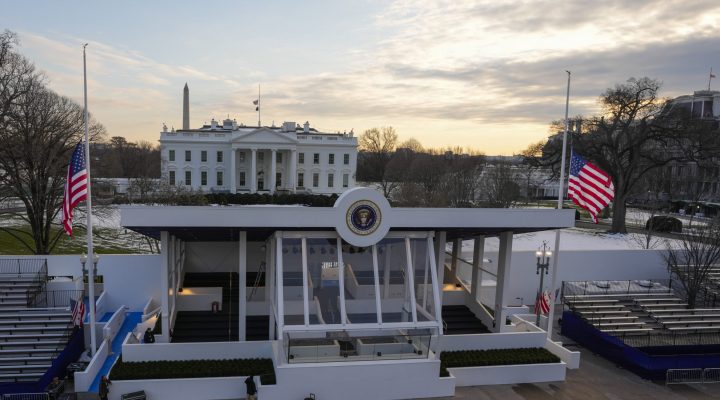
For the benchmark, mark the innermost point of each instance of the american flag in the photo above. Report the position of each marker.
(75, 186)
(78, 312)
(589, 187)
(542, 305)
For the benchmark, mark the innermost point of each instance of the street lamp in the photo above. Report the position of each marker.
(543, 265)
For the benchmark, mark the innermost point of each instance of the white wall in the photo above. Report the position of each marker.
(173, 389)
(130, 280)
(579, 265)
(221, 256)
(84, 379)
(137, 352)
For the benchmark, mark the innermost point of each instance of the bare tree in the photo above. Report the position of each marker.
(38, 132)
(692, 256)
(499, 186)
(376, 149)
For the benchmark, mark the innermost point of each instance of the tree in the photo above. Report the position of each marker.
(499, 186)
(38, 132)
(691, 257)
(376, 148)
(633, 136)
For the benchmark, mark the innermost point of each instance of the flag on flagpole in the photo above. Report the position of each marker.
(255, 102)
(78, 312)
(542, 304)
(75, 186)
(588, 186)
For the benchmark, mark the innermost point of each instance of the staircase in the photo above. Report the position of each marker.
(204, 326)
(459, 320)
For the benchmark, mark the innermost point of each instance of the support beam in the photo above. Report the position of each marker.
(456, 250)
(242, 286)
(440, 240)
(165, 260)
(478, 255)
(503, 282)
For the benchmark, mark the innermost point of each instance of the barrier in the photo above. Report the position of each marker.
(689, 375)
(113, 325)
(26, 396)
(84, 379)
(711, 375)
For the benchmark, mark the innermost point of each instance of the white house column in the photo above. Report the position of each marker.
(242, 278)
(273, 168)
(232, 176)
(503, 282)
(478, 255)
(253, 170)
(291, 180)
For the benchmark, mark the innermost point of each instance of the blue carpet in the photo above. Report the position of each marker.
(131, 321)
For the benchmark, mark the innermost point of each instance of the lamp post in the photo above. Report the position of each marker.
(543, 265)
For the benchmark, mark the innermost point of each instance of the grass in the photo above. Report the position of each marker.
(9, 245)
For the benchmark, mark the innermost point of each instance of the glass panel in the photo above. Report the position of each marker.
(366, 345)
(360, 303)
(393, 283)
(423, 280)
(324, 276)
(292, 282)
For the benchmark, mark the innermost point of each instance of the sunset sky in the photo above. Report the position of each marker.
(487, 74)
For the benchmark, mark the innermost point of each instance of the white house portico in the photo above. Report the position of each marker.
(236, 158)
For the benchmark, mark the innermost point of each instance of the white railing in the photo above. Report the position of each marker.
(112, 327)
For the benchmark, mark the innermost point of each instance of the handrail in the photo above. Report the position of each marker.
(54, 298)
(22, 266)
(260, 273)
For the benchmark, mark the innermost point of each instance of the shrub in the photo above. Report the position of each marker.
(311, 200)
(479, 358)
(661, 223)
(262, 367)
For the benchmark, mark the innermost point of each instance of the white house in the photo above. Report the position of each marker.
(236, 158)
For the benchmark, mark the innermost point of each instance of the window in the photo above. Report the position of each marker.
(316, 179)
(241, 175)
(278, 179)
(171, 155)
(219, 178)
(261, 184)
(188, 155)
(171, 178)
(331, 178)
(188, 178)
(346, 180)
(278, 158)
(301, 179)
(219, 156)
(241, 156)
(316, 158)
(203, 178)
(331, 158)
(203, 155)
(346, 159)
(261, 156)
(301, 158)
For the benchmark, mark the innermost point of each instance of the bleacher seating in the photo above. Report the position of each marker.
(30, 338)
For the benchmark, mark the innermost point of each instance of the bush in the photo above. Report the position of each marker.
(661, 223)
(311, 200)
(262, 367)
(480, 358)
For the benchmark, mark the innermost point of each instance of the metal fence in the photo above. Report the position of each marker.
(55, 298)
(25, 396)
(659, 339)
(22, 266)
(692, 375)
(575, 288)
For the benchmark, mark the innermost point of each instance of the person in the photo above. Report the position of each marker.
(104, 387)
(251, 388)
(149, 337)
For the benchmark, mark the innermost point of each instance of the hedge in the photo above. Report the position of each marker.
(262, 367)
(481, 358)
(312, 200)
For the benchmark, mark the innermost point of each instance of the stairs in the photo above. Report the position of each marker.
(459, 320)
(204, 326)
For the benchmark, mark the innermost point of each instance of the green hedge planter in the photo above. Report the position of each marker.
(482, 358)
(262, 367)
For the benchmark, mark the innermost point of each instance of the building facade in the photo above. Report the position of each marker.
(236, 158)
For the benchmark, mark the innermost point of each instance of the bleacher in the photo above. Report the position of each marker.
(30, 337)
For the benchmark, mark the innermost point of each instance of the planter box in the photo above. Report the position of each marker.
(508, 374)
(172, 389)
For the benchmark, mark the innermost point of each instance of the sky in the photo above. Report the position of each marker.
(488, 75)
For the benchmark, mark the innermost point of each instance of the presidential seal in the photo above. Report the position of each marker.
(363, 217)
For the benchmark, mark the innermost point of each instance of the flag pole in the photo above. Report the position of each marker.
(88, 201)
(710, 78)
(258, 106)
(561, 192)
